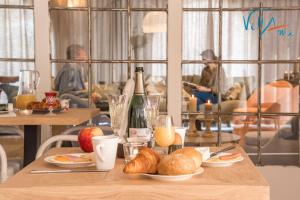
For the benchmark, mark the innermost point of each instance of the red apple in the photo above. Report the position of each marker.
(85, 138)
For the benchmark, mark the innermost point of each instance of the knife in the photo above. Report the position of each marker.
(64, 171)
(221, 151)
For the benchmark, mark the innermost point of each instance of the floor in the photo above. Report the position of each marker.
(284, 181)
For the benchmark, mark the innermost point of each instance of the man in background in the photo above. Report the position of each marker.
(71, 78)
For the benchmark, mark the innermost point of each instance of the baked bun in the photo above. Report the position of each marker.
(190, 152)
(178, 140)
(177, 144)
(176, 164)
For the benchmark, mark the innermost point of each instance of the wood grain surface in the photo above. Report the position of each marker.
(73, 116)
(240, 181)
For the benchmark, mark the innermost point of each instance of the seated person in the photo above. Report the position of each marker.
(70, 80)
(207, 88)
(8, 87)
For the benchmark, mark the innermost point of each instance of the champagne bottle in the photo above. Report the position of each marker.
(137, 123)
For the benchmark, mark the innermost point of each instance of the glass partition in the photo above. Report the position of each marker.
(111, 38)
(243, 75)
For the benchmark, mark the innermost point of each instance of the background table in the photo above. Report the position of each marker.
(241, 181)
(202, 141)
(32, 123)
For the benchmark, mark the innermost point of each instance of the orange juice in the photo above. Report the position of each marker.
(164, 136)
(22, 101)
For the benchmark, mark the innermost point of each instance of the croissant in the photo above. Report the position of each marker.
(145, 162)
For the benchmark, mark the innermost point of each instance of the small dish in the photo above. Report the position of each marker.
(4, 112)
(45, 111)
(71, 160)
(216, 162)
(25, 112)
(174, 177)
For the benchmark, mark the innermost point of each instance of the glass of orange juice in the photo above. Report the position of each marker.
(164, 133)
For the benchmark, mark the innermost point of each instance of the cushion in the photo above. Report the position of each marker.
(187, 78)
(105, 90)
(196, 79)
(233, 93)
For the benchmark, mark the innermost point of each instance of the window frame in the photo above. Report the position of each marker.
(129, 61)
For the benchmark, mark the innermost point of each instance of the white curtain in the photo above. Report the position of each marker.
(16, 37)
(200, 32)
(110, 39)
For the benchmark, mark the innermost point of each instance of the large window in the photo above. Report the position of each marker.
(17, 43)
(116, 36)
(256, 48)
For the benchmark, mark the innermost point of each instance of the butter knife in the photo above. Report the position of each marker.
(221, 151)
(64, 171)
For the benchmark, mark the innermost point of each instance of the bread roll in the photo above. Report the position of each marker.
(176, 164)
(178, 140)
(177, 144)
(190, 152)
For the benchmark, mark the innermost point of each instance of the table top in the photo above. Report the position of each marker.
(73, 116)
(265, 107)
(8, 79)
(240, 181)
(199, 140)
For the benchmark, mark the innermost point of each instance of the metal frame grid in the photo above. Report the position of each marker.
(259, 62)
(129, 60)
(22, 7)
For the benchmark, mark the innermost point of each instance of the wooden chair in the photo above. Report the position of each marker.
(58, 138)
(3, 169)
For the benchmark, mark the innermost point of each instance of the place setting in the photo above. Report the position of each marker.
(163, 157)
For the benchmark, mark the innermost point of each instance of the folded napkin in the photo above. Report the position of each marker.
(204, 151)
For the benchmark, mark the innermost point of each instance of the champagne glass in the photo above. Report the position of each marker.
(50, 100)
(151, 113)
(117, 112)
(152, 110)
(164, 131)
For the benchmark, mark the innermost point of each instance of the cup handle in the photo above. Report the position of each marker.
(98, 152)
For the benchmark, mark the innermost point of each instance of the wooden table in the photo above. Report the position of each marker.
(241, 181)
(32, 123)
(202, 141)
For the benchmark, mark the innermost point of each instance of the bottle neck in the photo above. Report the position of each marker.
(139, 84)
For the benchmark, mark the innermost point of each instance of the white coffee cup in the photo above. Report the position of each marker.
(65, 103)
(181, 131)
(105, 149)
(10, 107)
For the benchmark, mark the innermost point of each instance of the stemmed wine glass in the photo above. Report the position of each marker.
(151, 113)
(152, 110)
(117, 106)
(50, 100)
(164, 131)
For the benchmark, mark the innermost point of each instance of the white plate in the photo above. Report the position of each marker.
(70, 164)
(174, 177)
(221, 163)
